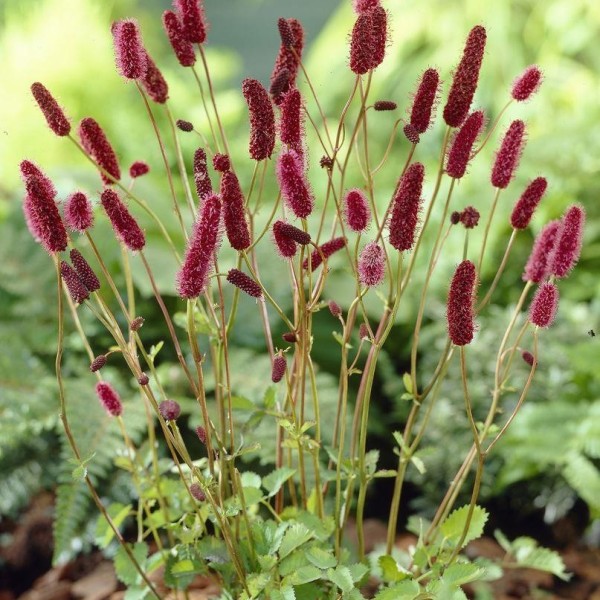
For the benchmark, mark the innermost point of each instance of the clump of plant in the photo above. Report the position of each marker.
(281, 534)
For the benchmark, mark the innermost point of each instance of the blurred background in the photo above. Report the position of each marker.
(544, 478)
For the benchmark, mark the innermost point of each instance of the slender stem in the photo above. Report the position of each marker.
(487, 229)
(501, 268)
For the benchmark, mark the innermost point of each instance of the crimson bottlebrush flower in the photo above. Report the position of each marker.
(197, 492)
(462, 145)
(469, 217)
(405, 208)
(363, 332)
(424, 100)
(538, 265)
(384, 105)
(356, 210)
(124, 225)
(369, 37)
(78, 212)
(509, 154)
(53, 113)
(109, 398)
(290, 337)
(29, 169)
(262, 119)
(459, 310)
(198, 262)
(466, 76)
(544, 305)
(244, 283)
(285, 32)
(184, 51)
(84, 271)
(323, 252)
(184, 125)
(138, 168)
(287, 63)
(130, 55)
(201, 433)
(361, 6)
(143, 379)
(286, 246)
(137, 324)
(278, 369)
(292, 182)
(411, 134)
(169, 410)
(371, 265)
(292, 232)
(334, 309)
(290, 125)
(234, 214)
(98, 363)
(527, 203)
(221, 163)
(568, 244)
(94, 141)
(527, 84)
(528, 357)
(192, 19)
(154, 83)
(201, 177)
(378, 34)
(75, 286)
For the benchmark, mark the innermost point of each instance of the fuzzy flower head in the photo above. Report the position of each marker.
(84, 271)
(293, 184)
(278, 369)
(335, 309)
(138, 169)
(244, 283)
(53, 113)
(154, 83)
(405, 208)
(75, 286)
(290, 125)
(183, 48)
(169, 410)
(357, 213)
(109, 398)
(287, 63)
(462, 145)
(286, 246)
(424, 101)
(193, 20)
(544, 305)
(527, 83)
(469, 217)
(262, 119)
(130, 55)
(124, 225)
(538, 264)
(368, 40)
(568, 244)
(323, 252)
(361, 6)
(95, 143)
(509, 154)
(528, 202)
(371, 265)
(292, 232)
(201, 177)
(221, 163)
(461, 297)
(411, 134)
(234, 214)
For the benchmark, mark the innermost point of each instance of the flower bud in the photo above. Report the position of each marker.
(469, 217)
(96, 144)
(201, 177)
(138, 168)
(528, 357)
(137, 324)
(201, 433)
(384, 105)
(290, 337)
(244, 283)
(84, 271)
(109, 398)
(143, 379)
(124, 225)
(411, 134)
(405, 208)
(509, 154)
(197, 492)
(527, 83)
(356, 210)
(371, 265)
(279, 367)
(75, 286)
(221, 163)
(462, 145)
(154, 83)
(569, 241)
(544, 305)
(334, 309)
(292, 232)
(287, 63)
(234, 214)
(527, 203)
(184, 125)
(98, 363)
(169, 410)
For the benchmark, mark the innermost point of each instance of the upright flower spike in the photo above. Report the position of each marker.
(466, 77)
(84, 271)
(262, 119)
(528, 202)
(201, 177)
(361, 6)
(184, 51)
(424, 101)
(78, 212)
(94, 141)
(192, 278)
(109, 398)
(461, 297)
(124, 225)
(290, 125)
(53, 113)
(462, 145)
(154, 83)
(527, 83)
(368, 40)
(405, 208)
(278, 369)
(568, 245)
(371, 265)
(324, 251)
(508, 155)
(234, 214)
(285, 32)
(193, 20)
(75, 286)
(287, 62)
(244, 283)
(221, 163)
(538, 264)
(357, 213)
(130, 56)
(544, 305)
(29, 170)
(294, 187)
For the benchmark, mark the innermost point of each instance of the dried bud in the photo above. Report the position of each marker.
(109, 398)
(124, 225)
(154, 83)
(287, 63)
(462, 145)
(384, 105)
(169, 410)
(262, 119)
(201, 177)
(455, 218)
(293, 184)
(201, 433)
(95, 143)
(286, 246)
(368, 41)
(244, 283)
(527, 203)
(285, 33)
(324, 252)
(334, 309)
(363, 332)
(371, 265)
(278, 370)
(143, 379)
(184, 51)
(290, 337)
(459, 313)
(234, 214)
(198, 262)
(84, 271)
(78, 212)
(544, 305)
(138, 168)
(568, 245)
(356, 210)
(469, 217)
(290, 126)
(326, 163)
(411, 134)
(53, 113)
(184, 125)
(424, 100)
(193, 20)
(509, 154)
(98, 363)
(528, 357)
(465, 78)
(137, 324)
(405, 208)
(221, 163)
(197, 492)
(538, 265)
(129, 51)
(527, 84)
(292, 232)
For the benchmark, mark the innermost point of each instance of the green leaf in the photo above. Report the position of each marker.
(125, 569)
(273, 481)
(406, 379)
(79, 473)
(527, 553)
(155, 349)
(358, 571)
(270, 398)
(389, 569)
(285, 593)
(182, 568)
(405, 590)
(339, 338)
(242, 404)
(250, 479)
(136, 593)
(452, 528)
(321, 558)
(584, 477)
(296, 535)
(341, 577)
(304, 575)
(252, 495)
(257, 583)
(460, 573)
(104, 532)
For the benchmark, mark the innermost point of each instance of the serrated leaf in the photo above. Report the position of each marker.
(321, 558)
(340, 340)
(274, 480)
(252, 496)
(527, 553)
(136, 593)
(124, 568)
(242, 404)
(460, 573)
(285, 593)
(182, 568)
(155, 349)
(389, 569)
(304, 575)
(250, 479)
(257, 583)
(296, 535)
(358, 571)
(452, 528)
(269, 399)
(405, 590)
(104, 532)
(341, 577)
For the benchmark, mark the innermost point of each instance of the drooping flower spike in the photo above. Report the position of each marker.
(53, 113)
